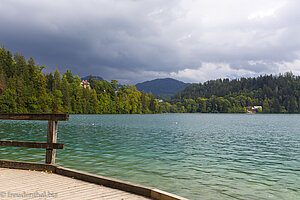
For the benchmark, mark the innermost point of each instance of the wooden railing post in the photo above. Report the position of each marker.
(51, 138)
(51, 144)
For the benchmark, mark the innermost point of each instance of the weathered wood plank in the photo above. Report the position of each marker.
(26, 165)
(65, 193)
(26, 144)
(29, 183)
(105, 181)
(33, 116)
(51, 138)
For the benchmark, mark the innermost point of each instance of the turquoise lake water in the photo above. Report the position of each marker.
(197, 156)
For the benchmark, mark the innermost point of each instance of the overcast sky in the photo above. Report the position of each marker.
(138, 40)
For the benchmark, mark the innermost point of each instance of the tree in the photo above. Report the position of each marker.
(266, 106)
(202, 105)
(275, 106)
(57, 79)
(69, 76)
(50, 82)
(7, 102)
(7, 63)
(292, 105)
(2, 82)
(114, 83)
(57, 101)
(43, 101)
(65, 90)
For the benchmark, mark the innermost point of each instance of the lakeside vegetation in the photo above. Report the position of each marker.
(276, 94)
(24, 88)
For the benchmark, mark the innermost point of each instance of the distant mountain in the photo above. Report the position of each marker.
(162, 87)
(95, 77)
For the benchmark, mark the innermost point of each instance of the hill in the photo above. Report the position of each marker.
(275, 93)
(95, 77)
(166, 87)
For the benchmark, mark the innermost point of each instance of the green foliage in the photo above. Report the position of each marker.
(7, 101)
(276, 94)
(24, 88)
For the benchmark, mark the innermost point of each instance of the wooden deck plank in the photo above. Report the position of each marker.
(17, 182)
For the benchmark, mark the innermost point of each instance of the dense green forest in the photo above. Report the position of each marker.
(276, 94)
(24, 88)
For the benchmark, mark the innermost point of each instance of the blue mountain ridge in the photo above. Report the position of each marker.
(164, 87)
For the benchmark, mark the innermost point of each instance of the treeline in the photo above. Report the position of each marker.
(276, 94)
(25, 89)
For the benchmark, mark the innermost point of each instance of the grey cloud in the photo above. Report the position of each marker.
(128, 39)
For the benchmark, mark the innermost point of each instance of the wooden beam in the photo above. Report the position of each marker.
(13, 164)
(26, 144)
(33, 116)
(51, 138)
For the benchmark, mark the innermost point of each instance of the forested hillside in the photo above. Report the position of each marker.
(24, 88)
(164, 87)
(275, 93)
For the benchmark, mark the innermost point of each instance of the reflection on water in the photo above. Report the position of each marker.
(198, 156)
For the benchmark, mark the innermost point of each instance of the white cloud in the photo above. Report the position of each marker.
(293, 66)
(267, 12)
(209, 71)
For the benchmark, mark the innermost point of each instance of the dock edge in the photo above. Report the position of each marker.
(150, 192)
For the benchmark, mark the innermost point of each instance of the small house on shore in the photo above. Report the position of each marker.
(253, 109)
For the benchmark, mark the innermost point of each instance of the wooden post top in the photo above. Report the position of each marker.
(34, 116)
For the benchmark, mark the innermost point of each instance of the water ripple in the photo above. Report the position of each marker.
(202, 156)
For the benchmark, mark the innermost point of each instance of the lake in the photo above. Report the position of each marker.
(197, 156)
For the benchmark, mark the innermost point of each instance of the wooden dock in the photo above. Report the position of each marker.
(26, 180)
(28, 184)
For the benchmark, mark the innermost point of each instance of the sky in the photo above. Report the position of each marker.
(138, 40)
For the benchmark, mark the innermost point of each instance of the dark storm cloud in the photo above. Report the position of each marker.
(139, 40)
